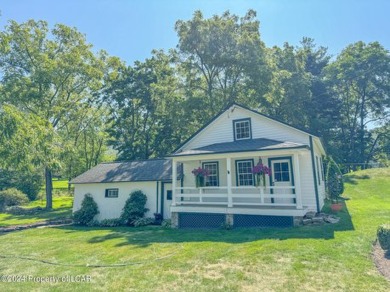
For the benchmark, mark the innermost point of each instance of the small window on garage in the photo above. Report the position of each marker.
(112, 193)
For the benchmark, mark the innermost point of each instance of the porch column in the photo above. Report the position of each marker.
(174, 181)
(229, 181)
(297, 181)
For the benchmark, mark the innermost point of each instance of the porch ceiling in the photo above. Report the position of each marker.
(260, 144)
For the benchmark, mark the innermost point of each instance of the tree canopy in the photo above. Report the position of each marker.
(63, 106)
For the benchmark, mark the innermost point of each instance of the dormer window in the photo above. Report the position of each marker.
(242, 129)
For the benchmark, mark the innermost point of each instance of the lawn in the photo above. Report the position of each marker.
(62, 208)
(310, 258)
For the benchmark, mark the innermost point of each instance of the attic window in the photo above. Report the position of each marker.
(111, 193)
(242, 129)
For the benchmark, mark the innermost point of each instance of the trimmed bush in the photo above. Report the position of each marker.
(89, 209)
(334, 180)
(110, 222)
(383, 234)
(143, 222)
(134, 208)
(12, 197)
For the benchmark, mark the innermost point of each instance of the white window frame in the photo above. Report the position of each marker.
(249, 174)
(216, 174)
(237, 124)
(112, 193)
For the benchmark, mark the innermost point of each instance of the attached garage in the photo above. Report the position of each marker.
(110, 184)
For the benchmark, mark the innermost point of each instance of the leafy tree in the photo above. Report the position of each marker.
(222, 59)
(145, 109)
(48, 75)
(360, 81)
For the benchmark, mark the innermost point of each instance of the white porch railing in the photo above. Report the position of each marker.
(240, 196)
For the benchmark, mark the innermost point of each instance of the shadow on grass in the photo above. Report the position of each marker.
(62, 212)
(353, 178)
(144, 236)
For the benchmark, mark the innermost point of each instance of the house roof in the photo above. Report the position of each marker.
(246, 108)
(260, 144)
(128, 171)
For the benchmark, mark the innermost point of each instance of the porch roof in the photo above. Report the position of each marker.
(260, 144)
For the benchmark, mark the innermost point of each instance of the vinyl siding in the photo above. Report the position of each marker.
(305, 167)
(221, 130)
(112, 207)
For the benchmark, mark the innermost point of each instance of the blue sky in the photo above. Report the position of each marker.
(131, 29)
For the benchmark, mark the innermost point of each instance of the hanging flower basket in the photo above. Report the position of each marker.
(200, 175)
(260, 171)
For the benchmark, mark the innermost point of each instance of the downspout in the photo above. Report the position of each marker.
(314, 174)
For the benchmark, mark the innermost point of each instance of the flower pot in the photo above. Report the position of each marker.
(199, 181)
(336, 207)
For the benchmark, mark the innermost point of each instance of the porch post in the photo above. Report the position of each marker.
(174, 181)
(229, 181)
(297, 181)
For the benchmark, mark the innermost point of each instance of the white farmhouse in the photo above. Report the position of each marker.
(227, 150)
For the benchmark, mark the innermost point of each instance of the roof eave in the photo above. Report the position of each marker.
(238, 151)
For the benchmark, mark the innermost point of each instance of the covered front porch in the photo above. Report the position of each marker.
(230, 187)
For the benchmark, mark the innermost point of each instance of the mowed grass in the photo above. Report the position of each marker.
(62, 208)
(60, 184)
(333, 257)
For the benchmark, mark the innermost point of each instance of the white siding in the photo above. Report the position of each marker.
(307, 181)
(221, 130)
(112, 207)
(305, 167)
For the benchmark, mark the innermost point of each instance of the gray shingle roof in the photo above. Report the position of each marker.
(143, 170)
(259, 144)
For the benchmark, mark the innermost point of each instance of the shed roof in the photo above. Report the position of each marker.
(128, 171)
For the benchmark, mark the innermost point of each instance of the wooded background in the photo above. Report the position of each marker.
(64, 107)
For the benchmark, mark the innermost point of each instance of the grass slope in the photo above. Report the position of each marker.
(311, 258)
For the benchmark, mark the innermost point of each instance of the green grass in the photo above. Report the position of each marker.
(62, 207)
(310, 258)
(60, 184)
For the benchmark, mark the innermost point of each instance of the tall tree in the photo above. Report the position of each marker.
(222, 60)
(48, 74)
(360, 80)
(145, 109)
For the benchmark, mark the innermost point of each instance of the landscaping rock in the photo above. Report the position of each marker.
(331, 219)
(310, 215)
(318, 220)
(307, 221)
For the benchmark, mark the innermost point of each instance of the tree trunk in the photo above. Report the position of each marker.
(49, 188)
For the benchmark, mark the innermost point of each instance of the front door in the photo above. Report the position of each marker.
(282, 177)
(167, 200)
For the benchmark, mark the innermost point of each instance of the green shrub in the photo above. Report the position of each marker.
(29, 182)
(143, 222)
(134, 207)
(89, 209)
(110, 222)
(12, 197)
(383, 234)
(167, 223)
(334, 180)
